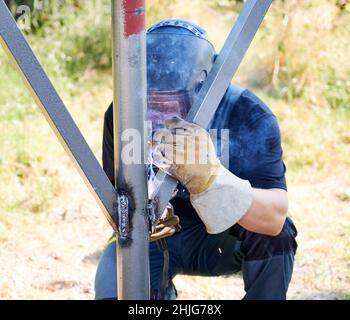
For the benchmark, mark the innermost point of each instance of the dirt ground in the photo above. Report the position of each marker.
(55, 256)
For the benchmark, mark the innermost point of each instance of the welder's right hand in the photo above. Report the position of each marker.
(168, 224)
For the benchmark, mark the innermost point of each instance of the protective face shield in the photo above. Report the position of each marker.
(163, 105)
(177, 66)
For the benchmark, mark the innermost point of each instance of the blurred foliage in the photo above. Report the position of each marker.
(77, 32)
(227, 4)
(302, 43)
(304, 53)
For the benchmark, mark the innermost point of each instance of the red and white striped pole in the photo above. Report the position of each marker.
(130, 101)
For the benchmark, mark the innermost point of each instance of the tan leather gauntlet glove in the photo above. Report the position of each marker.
(168, 224)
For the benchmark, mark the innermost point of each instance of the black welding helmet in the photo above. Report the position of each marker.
(179, 58)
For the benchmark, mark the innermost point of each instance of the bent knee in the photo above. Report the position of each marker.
(106, 274)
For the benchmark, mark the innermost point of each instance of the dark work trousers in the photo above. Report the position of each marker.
(265, 261)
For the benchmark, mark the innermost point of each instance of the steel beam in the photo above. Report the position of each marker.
(130, 92)
(219, 79)
(57, 115)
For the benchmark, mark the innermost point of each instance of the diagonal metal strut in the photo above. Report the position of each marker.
(208, 99)
(57, 115)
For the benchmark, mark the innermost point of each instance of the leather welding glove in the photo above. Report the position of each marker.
(185, 151)
(167, 225)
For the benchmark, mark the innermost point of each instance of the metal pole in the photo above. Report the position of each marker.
(130, 93)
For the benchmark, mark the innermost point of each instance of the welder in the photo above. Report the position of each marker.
(233, 214)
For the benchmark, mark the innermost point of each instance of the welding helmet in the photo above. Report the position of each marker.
(179, 58)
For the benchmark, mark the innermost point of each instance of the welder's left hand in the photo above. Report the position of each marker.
(185, 151)
(167, 225)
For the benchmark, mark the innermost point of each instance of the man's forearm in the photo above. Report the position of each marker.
(231, 200)
(267, 213)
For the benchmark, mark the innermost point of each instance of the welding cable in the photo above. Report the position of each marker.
(164, 283)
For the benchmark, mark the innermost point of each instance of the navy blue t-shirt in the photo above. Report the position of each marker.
(255, 151)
